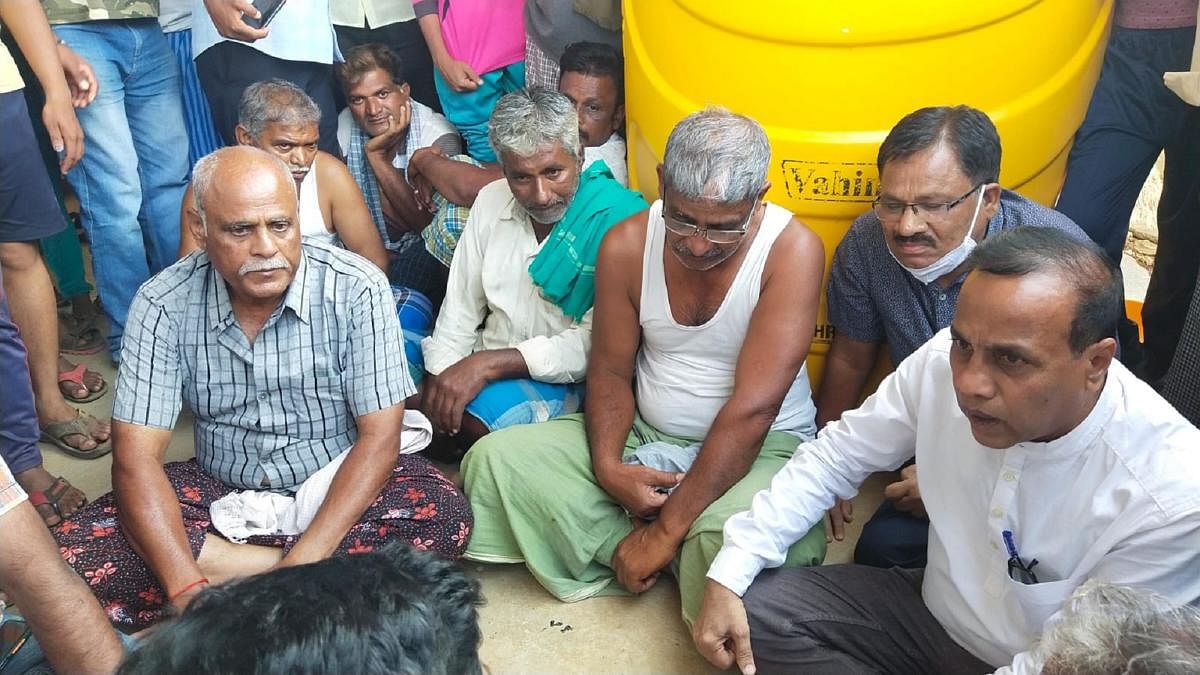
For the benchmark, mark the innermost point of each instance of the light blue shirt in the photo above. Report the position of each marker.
(301, 31)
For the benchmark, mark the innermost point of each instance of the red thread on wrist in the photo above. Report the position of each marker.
(187, 588)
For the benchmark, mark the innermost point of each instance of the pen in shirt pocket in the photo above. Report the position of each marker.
(1017, 569)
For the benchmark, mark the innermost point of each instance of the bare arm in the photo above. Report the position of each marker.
(355, 485)
(27, 23)
(66, 619)
(458, 74)
(776, 345)
(615, 341)
(148, 506)
(397, 193)
(458, 182)
(846, 370)
(348, 212)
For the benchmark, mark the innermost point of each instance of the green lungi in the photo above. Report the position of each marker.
(536, 500)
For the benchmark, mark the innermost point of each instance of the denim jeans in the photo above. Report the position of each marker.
(134, 170)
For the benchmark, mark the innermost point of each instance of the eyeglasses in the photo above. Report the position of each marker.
(720, 236)
(14, 633)
(891, 209)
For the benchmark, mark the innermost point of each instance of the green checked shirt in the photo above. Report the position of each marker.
(79, 11)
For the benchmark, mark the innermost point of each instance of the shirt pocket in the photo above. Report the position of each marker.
(1038, 602)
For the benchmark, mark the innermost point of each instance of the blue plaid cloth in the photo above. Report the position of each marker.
(416, 322)
(441, 236)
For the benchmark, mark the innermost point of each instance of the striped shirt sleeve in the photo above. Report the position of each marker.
(11, 494)
(149, 381)
(376, 375)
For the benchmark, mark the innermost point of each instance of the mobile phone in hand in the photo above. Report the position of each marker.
(267, 10)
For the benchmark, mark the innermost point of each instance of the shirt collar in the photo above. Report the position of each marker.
(221, 307)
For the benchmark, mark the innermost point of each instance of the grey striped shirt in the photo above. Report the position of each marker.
(284, 406)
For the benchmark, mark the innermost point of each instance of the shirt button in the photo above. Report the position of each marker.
(995, 545)
(996, 513)
(262, 396)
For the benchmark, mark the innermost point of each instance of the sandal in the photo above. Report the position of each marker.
(49, 499)
(56, 433)
(75, 376)
(82, 340)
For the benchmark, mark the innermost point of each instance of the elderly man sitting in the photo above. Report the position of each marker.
(708, 301)
(511, 342)
(287, 357)
(278, 117)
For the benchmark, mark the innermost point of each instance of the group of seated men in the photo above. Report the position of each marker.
(697, 452)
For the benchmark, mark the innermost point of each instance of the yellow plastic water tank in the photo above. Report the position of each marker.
(829, 79)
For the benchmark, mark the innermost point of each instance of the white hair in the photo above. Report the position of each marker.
(1120, 630)
(529, 119)
(206, 168)
(718, 155)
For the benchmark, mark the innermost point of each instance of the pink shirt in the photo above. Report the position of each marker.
(1156, 13)
(486, 34)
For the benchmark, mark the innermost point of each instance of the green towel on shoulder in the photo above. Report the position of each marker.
(565, 268)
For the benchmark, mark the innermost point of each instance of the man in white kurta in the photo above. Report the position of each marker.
(1034, 446)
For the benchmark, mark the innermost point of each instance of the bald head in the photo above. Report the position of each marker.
(235, 165)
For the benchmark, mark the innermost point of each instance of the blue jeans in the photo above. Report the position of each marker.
(134, 170)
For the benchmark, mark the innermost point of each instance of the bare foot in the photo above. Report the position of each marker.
(98, 430)
(61, 498)
(74, 390)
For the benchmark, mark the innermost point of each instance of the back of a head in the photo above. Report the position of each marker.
(1106, 629)
(363, 59)
(527, 120)
(1079, 264)
(275, 101)
(595, 59)
(717, 155)
(396, 610)
(969, 132)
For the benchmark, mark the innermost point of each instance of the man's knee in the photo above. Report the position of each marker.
(19, 256)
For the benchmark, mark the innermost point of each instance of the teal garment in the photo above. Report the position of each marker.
(565, 268)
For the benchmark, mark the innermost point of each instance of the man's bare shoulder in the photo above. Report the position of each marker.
(625, 241)
(797, 243)
(330, 168)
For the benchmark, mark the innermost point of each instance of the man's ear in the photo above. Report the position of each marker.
(618, 117)
(1098, 357)
(662, 185)
(243, 136)
(762, 195)
(198, 231)
(991, 199)
(405, 89)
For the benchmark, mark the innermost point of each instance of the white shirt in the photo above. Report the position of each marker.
(613, 154)
(492, 302)
(376, 13)
(301, 31)
(1117, 498)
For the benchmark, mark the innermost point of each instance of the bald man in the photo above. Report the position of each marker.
(287, 354)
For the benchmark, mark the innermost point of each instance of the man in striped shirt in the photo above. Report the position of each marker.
(288, 356)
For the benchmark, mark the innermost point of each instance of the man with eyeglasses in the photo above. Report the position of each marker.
(895, 281)
(697, 393)
(1044, 464)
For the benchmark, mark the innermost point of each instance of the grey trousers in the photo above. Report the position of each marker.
(849, 619)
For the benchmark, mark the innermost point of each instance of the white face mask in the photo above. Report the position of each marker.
(949, 262)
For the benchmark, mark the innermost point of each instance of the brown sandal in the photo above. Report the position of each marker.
(57, 433)
(46, 501)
